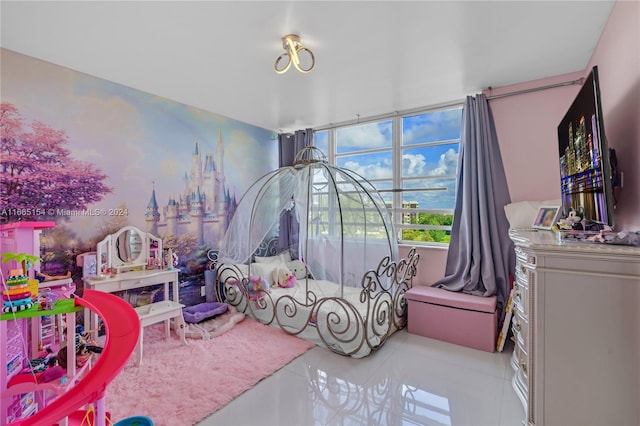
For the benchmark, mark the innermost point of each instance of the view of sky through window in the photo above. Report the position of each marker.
(429, 150)
(417, 153)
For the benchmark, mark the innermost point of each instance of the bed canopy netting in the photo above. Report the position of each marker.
(350, 292)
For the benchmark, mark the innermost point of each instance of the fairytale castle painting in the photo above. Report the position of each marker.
(205, 206)
(87, 147)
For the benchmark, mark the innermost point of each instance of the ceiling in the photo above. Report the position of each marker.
(372, 57)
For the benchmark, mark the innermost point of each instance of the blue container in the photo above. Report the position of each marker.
(135, 421)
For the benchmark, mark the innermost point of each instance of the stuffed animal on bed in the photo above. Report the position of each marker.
(284, 278)
(257, 287)
(298, 268)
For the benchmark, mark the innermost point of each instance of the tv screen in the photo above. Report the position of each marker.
(585, 172)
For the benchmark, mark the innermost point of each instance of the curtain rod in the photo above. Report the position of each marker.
(443, 105)
(535, 89)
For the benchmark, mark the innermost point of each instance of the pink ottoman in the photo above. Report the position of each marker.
(453, 317)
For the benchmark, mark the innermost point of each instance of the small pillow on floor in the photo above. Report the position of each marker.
(215, 326)
(203, 311)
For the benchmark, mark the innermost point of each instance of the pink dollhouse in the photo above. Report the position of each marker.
(25, 337)
(24, 397)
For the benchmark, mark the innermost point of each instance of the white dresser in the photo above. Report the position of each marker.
(577, 327)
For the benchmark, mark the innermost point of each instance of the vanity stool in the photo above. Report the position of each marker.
(154, 313)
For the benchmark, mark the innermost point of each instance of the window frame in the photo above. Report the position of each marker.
(397, 181)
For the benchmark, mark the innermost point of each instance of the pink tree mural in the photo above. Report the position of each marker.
(37, 175)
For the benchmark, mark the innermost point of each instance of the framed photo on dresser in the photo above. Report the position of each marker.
(547, 217)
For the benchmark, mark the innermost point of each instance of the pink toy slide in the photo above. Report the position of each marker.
(122, 329)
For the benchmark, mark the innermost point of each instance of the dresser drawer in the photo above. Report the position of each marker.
(526, 258)
(588, 263)
(521, 296)
(521, 299)
(521, 331)
(522, 382)
(521, 361)
(522, 273)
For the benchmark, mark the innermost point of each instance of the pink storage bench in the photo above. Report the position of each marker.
(453, 317)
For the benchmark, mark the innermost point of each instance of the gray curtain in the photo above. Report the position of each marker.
(481, 255)
(289, 144)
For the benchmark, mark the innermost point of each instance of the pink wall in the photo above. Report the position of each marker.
(526, 124)
(431, 265)
(618, 59)
(527, 132)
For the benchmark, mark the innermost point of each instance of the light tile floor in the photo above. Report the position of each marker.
(411, 380)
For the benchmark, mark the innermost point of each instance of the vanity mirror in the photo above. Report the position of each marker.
(127, 249)
(128, 245)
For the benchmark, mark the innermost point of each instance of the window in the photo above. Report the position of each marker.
(412, 160)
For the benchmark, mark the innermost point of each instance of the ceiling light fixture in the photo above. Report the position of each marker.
(293, 47)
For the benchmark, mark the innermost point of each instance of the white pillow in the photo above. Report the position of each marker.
(266, 269)
(285, 256)
(523, 213)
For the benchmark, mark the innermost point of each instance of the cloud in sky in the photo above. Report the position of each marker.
(435, 126)
(379, 170)
(413, 165)
(447, 164)
(364, 136)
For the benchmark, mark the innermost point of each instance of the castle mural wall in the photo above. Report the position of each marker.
(122, 157)
(203, 209)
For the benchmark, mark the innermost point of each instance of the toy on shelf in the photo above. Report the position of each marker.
(84, 348)
(171, 260)
(27, 261)
(42, 277)
(47, 298)
(19, 291)
(38, 365)
(569, 222)
(18, 294)
(43, 369)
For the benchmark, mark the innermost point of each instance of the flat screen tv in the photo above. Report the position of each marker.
(585, 172)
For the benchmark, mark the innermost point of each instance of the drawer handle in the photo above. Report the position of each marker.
(523, 366)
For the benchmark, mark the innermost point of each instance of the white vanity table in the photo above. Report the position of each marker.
(577, 329)
(126, 260)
